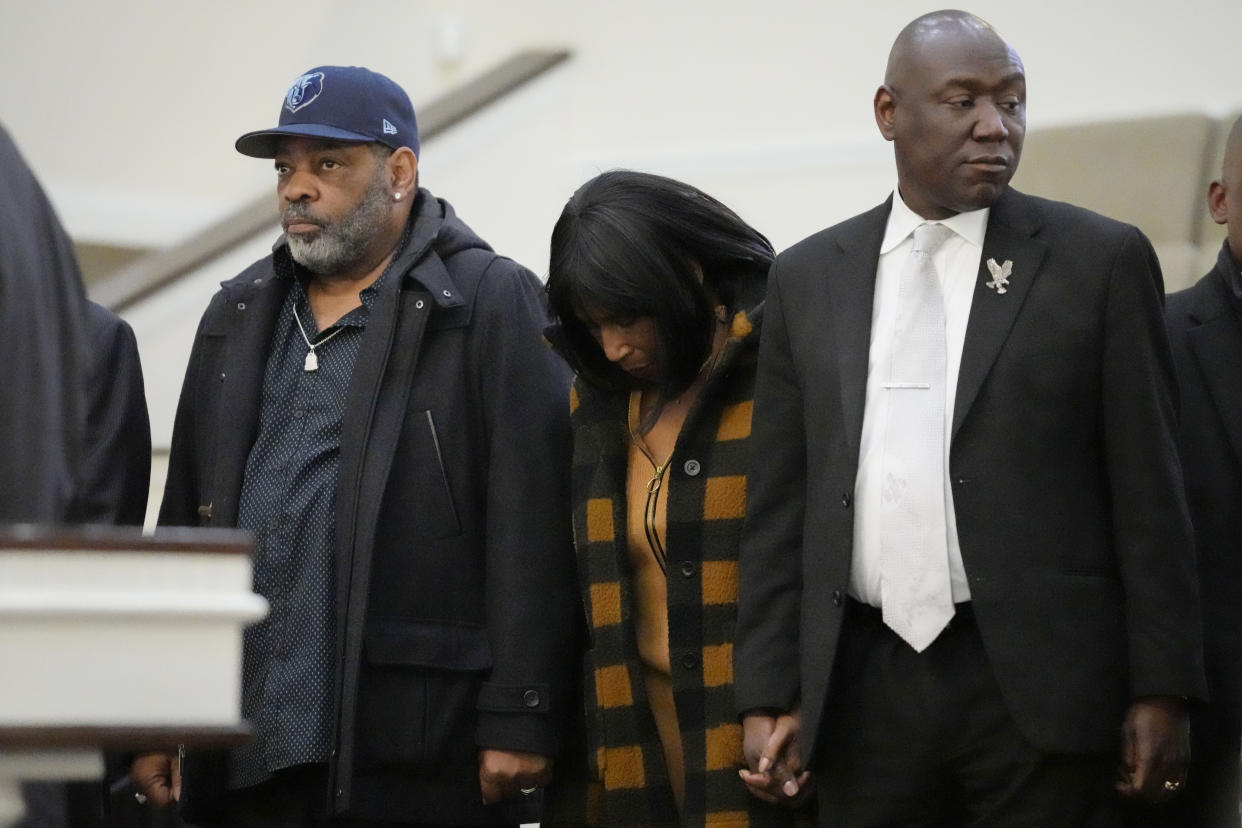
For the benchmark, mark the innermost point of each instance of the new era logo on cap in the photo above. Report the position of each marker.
(339, 103)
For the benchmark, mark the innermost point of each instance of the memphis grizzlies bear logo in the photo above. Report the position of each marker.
(304, 90)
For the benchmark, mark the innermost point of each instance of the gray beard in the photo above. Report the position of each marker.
(338, 246)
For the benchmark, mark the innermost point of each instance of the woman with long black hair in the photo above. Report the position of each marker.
(657, 291)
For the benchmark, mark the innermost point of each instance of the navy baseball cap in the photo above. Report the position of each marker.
(340, 103)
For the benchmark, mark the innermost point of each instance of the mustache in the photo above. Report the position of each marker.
(299, 211)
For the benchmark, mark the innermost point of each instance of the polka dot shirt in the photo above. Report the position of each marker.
(288, 502)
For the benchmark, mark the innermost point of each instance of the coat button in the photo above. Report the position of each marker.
(837, 598)
(241, 305)
(689, 661)
(687, 568)
(846, 500)
(531, 698)
(692, 468)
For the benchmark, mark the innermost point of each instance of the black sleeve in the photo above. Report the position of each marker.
(116, 469)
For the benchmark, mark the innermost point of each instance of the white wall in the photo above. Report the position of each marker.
(128, 109)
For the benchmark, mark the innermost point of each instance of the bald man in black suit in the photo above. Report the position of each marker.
(1038, 620)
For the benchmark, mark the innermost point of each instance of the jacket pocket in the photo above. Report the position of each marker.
(417, 692)
(424, 504)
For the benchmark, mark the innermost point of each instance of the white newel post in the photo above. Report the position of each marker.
(114, 640)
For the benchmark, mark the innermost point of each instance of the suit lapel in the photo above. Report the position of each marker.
(1011, 228)
(1217, 347)
(851, 285)
(243, 367)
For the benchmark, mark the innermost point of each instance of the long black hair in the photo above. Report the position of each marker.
(632, 244)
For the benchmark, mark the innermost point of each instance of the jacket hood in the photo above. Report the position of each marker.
(434, 225)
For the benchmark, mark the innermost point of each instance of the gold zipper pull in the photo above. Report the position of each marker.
(653, 485)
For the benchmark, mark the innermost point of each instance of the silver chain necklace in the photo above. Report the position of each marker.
(312, 361)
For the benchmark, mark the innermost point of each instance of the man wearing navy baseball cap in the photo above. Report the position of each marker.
(340, 103)
(374, 403)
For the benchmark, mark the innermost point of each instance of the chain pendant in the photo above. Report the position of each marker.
(312, 361)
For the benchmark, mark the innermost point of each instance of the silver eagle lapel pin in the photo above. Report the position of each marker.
(1000, 275)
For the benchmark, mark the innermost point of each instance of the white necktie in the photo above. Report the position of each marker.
(916, 595)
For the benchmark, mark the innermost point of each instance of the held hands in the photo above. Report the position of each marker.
(506, 774)
(1155, 748)
(773, 753)
(157, 776)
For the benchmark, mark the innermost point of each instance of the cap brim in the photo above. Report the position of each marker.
(262, 143)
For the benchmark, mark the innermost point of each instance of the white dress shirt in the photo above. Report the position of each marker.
(957, 265)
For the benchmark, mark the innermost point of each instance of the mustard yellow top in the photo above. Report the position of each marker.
(647, 515)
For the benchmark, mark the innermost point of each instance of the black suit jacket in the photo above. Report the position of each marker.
(116, 462)
(1067, 488)
(1205, 333)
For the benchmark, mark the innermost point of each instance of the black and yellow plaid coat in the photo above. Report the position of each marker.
(626, 780)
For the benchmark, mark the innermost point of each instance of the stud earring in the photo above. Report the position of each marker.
(396, 196)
